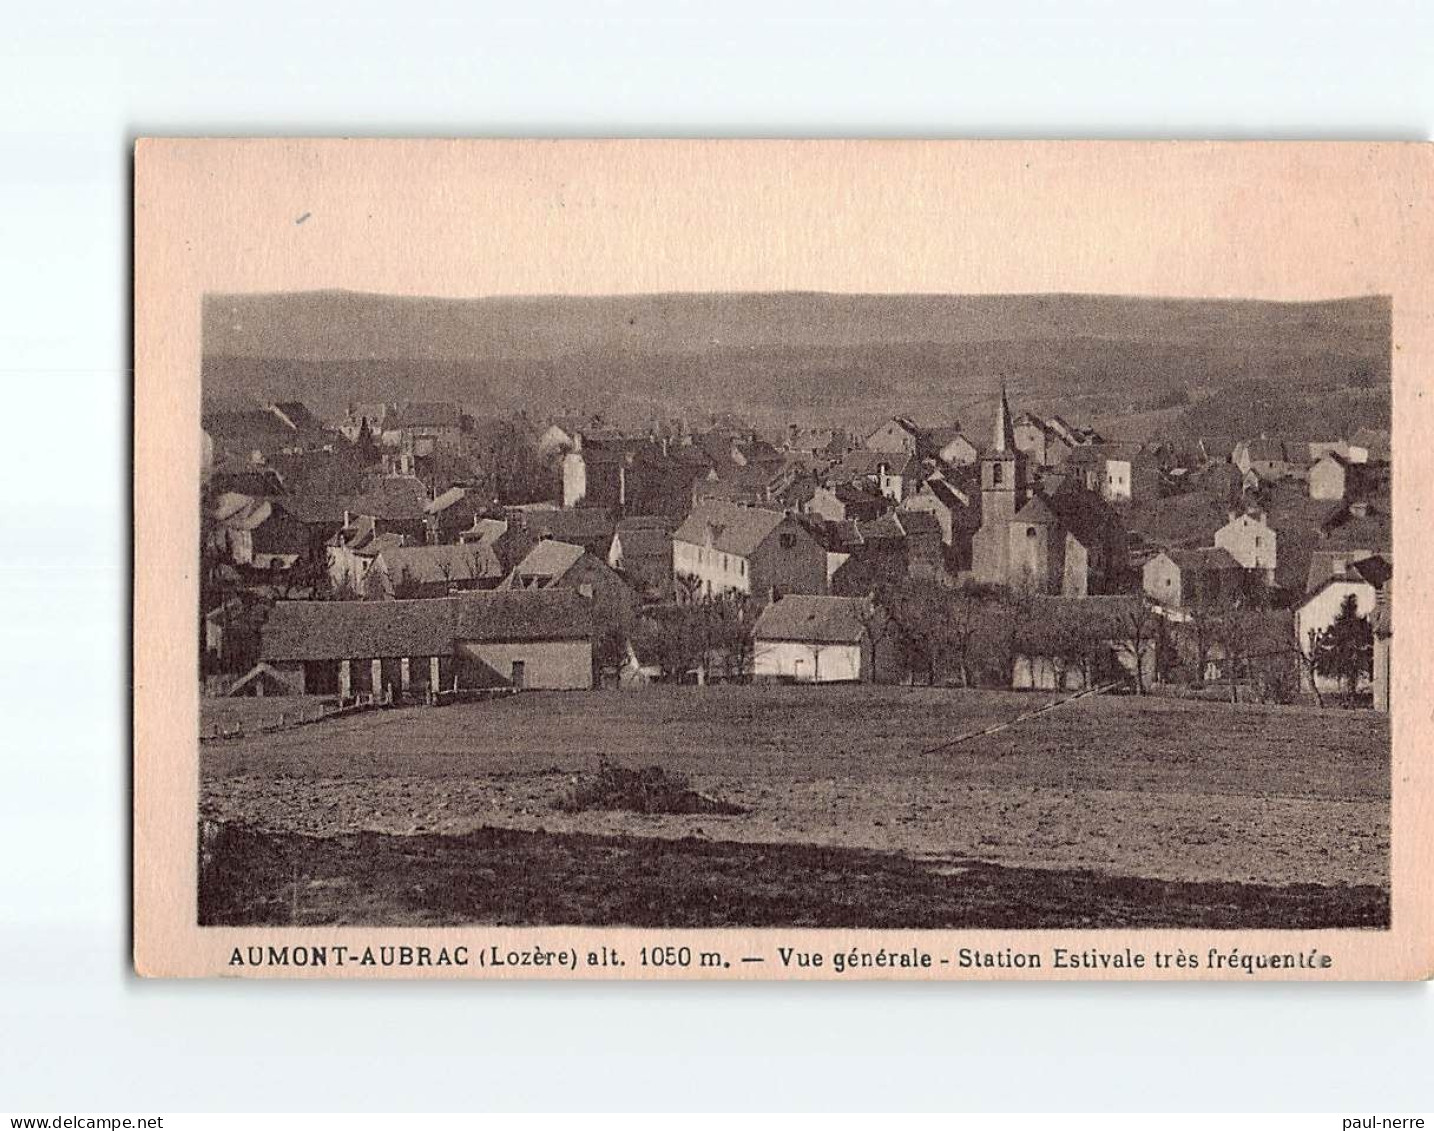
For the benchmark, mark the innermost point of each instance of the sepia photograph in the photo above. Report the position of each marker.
(560, 563)
(710, 610)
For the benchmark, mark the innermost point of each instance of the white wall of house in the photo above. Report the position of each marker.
(1327, 479)
(554, 665)
(345, 566)
(1160, 578)
(575, 479)
(807, 662)
(1321, 607)
(1116, 485)
(1250, 541)
(717, 571)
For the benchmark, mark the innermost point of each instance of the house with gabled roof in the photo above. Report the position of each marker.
(416, 648)
(396, 504)
(641, 551)
(897, 435)
(839, 501)
(1267, 456)
(551, 565)
(257, 532)
(1176, 578)
(431, 571)
(1251, 541)
(956, 506)
(814, 639)
(891, 473)
(1334, 578)
(728, 548)
(589, 527)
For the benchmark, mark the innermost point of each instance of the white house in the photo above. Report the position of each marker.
(1251, 541)
(729, 548)
(1321, 605)
(809, 639)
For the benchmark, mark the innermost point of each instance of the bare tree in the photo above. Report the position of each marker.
(1138, 624)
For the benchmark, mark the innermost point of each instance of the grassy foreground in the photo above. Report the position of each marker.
(827, 807)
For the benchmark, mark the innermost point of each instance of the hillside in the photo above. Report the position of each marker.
(837, 358)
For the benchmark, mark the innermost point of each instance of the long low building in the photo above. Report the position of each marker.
(410, 648)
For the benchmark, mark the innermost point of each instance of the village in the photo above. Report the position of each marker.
(417, 554)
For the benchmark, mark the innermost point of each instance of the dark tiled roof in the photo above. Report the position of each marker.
(352, 630)
(645, 543)
(861, 461)
(313, 508)
(338, 630)
(396, 497)
(734, 529)
(1037, 512)
(499, 615)
(579, 524)
(918, 522)
(819, 620)
(1202, 559)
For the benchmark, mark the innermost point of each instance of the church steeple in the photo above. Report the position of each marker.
(1005, 438)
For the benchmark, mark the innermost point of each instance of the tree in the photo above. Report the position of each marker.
(1138, 627)
(731, 621)
(1345, 650)
(920, 610)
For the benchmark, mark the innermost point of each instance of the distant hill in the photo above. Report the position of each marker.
(821, 357)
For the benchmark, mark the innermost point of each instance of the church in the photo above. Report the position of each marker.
(1054, 537)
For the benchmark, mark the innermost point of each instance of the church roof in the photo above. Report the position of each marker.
(1037, 512)
(1005, 435)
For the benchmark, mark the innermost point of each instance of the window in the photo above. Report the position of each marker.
(996, 469)
(1257, 541)
(1030, 532)
(788, 540)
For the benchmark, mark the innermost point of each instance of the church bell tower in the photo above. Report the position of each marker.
(1004, 491)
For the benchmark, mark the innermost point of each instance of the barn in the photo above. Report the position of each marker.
(397, 650)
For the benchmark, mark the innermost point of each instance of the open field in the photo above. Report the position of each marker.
(1243, 815)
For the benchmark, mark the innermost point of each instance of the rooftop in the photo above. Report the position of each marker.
(818, 620)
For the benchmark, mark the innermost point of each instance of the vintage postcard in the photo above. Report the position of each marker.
(782, 560)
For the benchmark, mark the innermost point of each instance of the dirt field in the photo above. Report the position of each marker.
(1246, 815)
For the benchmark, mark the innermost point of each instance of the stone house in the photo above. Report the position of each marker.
(728, 548)
(1176, 578)
(1251, 541)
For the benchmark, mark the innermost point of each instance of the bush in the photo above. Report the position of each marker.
(650, 789)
